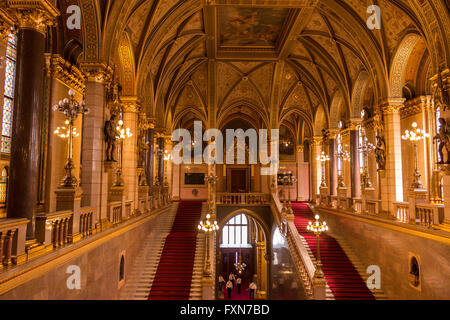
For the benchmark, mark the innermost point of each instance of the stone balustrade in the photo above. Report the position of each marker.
(12, 241)
(402, 211)
(357, 205)
(253, 199)
(314, 288)
(86, 222)
(429, 214)
(54, 228)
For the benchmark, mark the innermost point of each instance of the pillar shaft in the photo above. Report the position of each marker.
(130, 151)
(93, 181)
(333, 164)
(149, 138)
(24, 167)
(392, 189)
(160, 160)
(354, 162)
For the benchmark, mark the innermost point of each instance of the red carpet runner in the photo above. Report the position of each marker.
(174, 274)
(342, 277)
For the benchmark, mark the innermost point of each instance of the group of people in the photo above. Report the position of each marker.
(230, 285)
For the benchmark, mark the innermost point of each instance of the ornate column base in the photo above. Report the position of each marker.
(367, 194)
(319, 285)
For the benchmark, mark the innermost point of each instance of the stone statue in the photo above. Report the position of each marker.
(111, 135)
(380, 153)
(444, 140)
(143, 148)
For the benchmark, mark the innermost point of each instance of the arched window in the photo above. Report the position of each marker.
(8, 95)
(235, 232)
(122, 268)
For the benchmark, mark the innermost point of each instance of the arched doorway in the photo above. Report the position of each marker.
(242, 241)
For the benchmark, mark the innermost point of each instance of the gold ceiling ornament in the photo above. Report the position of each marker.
(33, 14)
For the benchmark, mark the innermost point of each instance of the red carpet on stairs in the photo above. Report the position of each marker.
(342, 277)
(174, 274)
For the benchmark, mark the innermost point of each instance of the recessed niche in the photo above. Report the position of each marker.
(415, 273)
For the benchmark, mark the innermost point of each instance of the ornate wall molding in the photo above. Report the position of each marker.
(6, 25)
(58, 68)
(416, 106)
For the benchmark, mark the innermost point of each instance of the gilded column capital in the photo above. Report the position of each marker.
(32, 14)
(353, 123)
(96, 71)
(333, 133)
(130, 104)
(300, 148)
(393, 105)
(317, 140)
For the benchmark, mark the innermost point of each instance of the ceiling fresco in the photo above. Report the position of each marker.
(250, 27)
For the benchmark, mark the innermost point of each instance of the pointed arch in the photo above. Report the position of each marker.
(127, 66)
(399, 63)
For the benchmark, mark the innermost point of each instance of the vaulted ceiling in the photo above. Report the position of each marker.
(309, 61)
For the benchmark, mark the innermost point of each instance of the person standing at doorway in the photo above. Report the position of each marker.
(221, 282)
(229, 288)
(239, 284)
(232, 278)
(252, 288)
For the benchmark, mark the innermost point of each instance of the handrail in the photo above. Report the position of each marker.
(303, 263)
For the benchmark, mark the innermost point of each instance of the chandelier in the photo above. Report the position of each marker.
(239, 265)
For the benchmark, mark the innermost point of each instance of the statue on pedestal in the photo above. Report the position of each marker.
(111, 135)
(444, 140)
(380, 152)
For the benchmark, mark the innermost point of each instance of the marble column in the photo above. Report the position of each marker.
(333, 168)
(149, 138)
(355, 174)
(131, 108)
(93, 180)
(160, 159)
(302, 180)
(33, 18)
(392, 190)
(316, 166)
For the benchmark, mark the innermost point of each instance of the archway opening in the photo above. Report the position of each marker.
(242, 254)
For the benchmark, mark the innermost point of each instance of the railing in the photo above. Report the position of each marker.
(115, 212)
(252, 199)
(372, 207)
(86, 219)
(357, 205)
(402, 211)
(59, 224)
(303, 264)
(429, 214)
(12, 235)
(128, 209)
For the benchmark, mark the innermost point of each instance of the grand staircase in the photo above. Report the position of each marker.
(175, 269)
(343, 280)
(140, 279)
